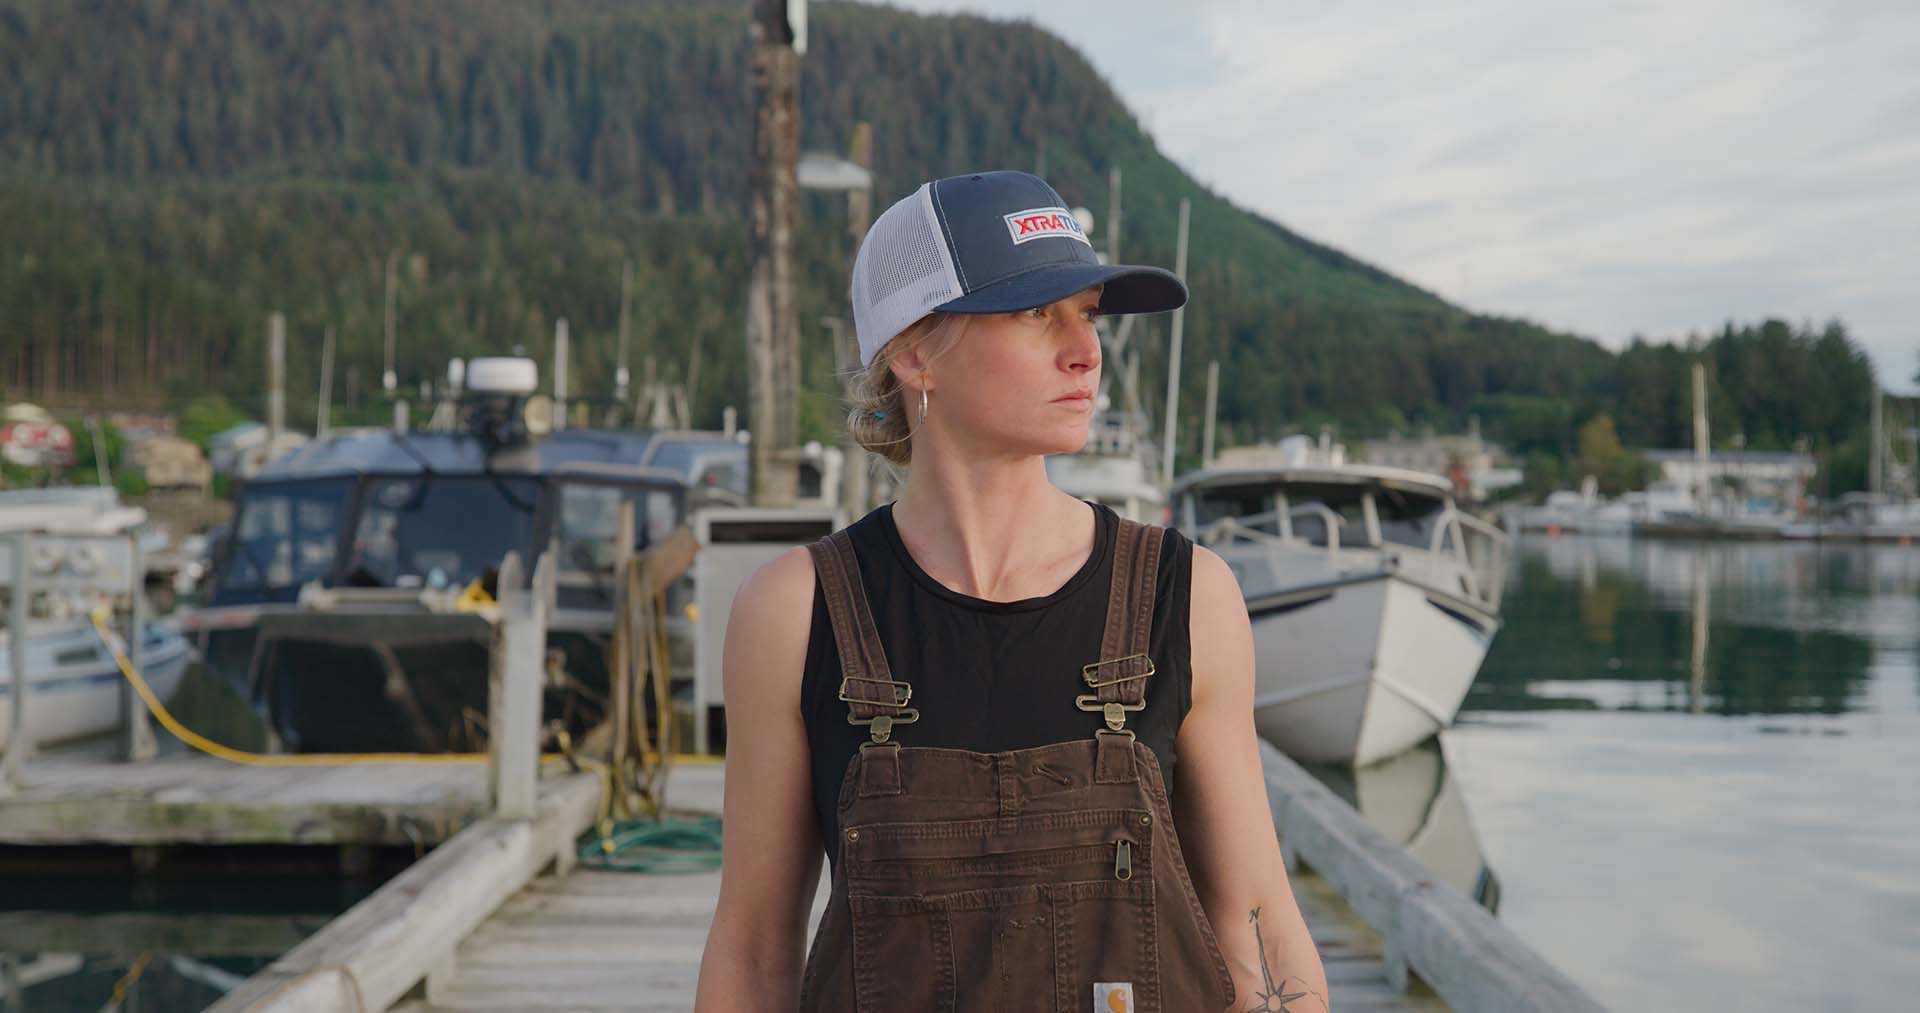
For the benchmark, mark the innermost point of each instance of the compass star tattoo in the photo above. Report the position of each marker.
(1275, 998)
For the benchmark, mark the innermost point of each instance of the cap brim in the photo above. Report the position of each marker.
(1129, 289)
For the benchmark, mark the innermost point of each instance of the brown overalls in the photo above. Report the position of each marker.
(1044, 879)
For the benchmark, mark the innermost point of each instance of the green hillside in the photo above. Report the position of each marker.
(171, 171)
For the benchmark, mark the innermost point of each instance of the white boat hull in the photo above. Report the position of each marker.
(1358, 670)
(75, 683)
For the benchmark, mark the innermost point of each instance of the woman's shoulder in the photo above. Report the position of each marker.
(777, 598)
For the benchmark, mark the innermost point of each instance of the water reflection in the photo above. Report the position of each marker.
(1729, 629)
(80, 932)
(1693, 765)
(1413, 800)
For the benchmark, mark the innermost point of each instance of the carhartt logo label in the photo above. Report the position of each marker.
(1113, 997)
(1039, 223)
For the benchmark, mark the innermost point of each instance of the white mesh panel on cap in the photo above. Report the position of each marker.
(902, 272)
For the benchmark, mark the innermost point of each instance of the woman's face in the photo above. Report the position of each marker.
(1017, 384)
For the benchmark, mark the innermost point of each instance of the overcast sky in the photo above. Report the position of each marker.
(1611, 167)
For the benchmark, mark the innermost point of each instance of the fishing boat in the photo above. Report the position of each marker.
(1876, 517)
(71, 677)
(74, 680)
(1373, 596)
(1114, 468)
(348, 602)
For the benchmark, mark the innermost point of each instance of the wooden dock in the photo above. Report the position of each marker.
(193, 799)
(586, 940)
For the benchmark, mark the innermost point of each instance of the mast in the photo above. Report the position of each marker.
(1173, 358)
(1703, 486)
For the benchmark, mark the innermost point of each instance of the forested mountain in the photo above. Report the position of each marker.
(172, 170)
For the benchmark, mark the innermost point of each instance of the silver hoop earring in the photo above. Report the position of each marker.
(923, 406)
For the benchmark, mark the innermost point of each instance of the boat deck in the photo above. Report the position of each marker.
(597, 940)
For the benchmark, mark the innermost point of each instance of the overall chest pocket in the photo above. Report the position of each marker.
(1004, 915)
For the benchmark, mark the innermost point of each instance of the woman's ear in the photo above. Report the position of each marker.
(909, 367)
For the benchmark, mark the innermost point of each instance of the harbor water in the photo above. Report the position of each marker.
(1694, 769)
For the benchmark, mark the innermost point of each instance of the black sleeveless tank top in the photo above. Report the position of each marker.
(991, 676)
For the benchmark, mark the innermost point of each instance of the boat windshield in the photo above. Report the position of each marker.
(1310, 524)
(1408, 518)
(590, 517)
(705, 463)
(1251, 505)
(440, 531)
(285, 536)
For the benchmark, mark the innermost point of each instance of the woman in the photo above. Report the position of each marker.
(976, 696)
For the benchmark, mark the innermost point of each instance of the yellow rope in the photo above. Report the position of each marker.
(232, 755)
(127, 981)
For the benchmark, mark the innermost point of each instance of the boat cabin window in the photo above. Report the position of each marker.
(590, 517)
(1408, 518)
(284, 537)
(78, 656)
(1310, 526)
(1251, 505)
(707, 464)
(440, 531)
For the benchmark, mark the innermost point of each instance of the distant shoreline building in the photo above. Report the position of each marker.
(1777, 476)
(1478, 469)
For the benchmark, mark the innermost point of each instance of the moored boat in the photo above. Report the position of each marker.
(1373, 597)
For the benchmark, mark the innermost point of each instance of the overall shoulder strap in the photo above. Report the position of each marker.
(866, 685)
(1119, 677)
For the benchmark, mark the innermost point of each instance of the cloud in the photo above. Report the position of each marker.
(1613, 168)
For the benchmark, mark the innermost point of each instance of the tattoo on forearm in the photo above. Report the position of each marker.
(1275, 998)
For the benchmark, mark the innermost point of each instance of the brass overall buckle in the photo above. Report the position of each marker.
(880, 726)
(902, 691)
(1095, 682)
(1114, 711)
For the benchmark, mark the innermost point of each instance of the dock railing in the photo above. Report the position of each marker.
(1472, 960)
(407, 931)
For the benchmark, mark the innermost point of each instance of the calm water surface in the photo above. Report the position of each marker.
(1694, 771)
(78, 930)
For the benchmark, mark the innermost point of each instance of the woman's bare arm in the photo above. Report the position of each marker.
(1226, 830)
(770, 852)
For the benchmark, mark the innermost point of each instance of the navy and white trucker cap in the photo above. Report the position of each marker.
(986, 242)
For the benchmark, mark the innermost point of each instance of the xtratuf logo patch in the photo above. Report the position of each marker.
(1041, 223)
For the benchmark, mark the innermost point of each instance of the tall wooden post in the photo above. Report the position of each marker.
(773, 326)
(846, 343)
(513, 689)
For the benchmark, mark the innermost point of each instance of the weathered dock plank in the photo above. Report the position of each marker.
(370, 956)
(192, 799)
(596, 940)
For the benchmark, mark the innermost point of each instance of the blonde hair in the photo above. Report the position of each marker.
(877, 415)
